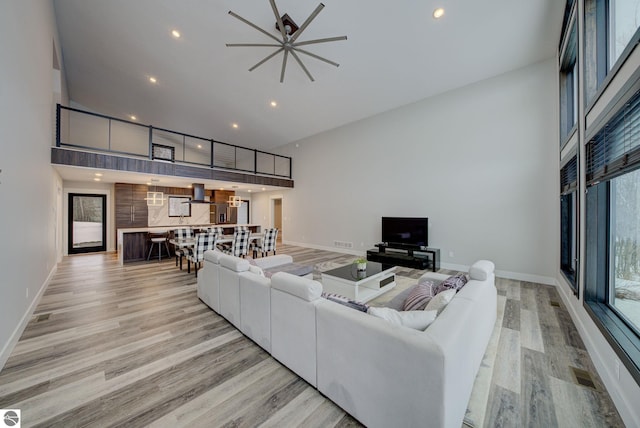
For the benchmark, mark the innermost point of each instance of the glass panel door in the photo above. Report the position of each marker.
(87, 223)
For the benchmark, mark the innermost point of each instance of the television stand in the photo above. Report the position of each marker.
(425, 258)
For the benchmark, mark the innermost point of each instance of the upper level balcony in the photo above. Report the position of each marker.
(92, 140)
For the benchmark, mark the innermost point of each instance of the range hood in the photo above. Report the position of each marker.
(198, 194)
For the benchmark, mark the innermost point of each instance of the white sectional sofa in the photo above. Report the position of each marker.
(380, 373)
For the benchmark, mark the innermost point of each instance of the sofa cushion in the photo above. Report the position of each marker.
(272, 261)
(236, 264)
(418, 320)
(455, 282)
(304, 288)
(292, 268)
(481, 270)
(419, 296)
(213, 256)
(359, 306)
(441, 300)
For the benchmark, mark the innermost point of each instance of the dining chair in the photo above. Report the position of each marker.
(181, 234)
(268, 242)
(204, 242)
(240, 244)
(215, 229)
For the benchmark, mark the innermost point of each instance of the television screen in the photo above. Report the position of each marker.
(405, 231)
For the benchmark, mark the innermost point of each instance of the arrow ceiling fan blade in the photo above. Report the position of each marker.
(279, 21)
(241, 45)
(251, 24)
(302, 66)
(307, 22)
(326, 39)
(266, 59)
(316, 56)
(284, 65)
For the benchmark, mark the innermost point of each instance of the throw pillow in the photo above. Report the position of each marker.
(455, 282)
(418, 320)
(441, 300)
(346, 301)
(419, 296)
(256, 270)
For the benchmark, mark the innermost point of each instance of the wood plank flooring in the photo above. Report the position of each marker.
(132, 345)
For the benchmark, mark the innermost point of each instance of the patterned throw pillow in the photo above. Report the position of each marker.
(455, 282)
(359, 306)
(419, 296)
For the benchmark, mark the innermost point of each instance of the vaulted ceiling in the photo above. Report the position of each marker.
(396, 54)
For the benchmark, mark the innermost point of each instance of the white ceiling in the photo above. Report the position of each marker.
(396, 54)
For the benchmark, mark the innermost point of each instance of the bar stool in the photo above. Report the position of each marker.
(158, 238)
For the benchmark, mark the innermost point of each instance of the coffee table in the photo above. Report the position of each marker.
(361, 286)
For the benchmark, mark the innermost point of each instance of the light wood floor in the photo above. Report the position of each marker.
(133, 346)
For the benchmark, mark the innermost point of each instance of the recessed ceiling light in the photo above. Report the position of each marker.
(199, 146)
(273, 104)
(97, 179)
(222, 188)
(133, 117)
(249, 190)
(98, 174)
(438, 13)
(153, 79)
(176, 34)
(264, 188)
(148, 183)
(234, 125)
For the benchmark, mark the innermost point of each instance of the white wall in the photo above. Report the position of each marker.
(481, 162)
(29, 188)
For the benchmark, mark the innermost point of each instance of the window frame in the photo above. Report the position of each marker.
(605, 72)
(604, 163)
(568, 80)
(569, 173)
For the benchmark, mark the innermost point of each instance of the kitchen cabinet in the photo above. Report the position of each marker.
(131, 207)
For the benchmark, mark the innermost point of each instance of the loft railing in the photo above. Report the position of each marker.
(93, 131)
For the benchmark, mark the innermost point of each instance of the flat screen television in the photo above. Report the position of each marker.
(405, 232)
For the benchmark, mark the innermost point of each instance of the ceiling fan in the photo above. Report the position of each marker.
(289, 44)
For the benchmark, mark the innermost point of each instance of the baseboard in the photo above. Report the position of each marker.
(332, 249)
(11, 343)
(451, 266)
(630, 414)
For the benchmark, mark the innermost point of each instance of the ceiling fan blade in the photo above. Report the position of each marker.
(251, 24)
(307, 22)
(238, 45)
(284, 65)
(302, 66)
(316, 56)
(327, 39)
(266, 59)
(278, 20)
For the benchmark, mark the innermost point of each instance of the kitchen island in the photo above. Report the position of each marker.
(133, 245)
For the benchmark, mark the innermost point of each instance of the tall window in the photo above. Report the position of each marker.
(624, 265)
(569, 83)
(569, 221)
(624, 20)
(612, 271)
(610, 27)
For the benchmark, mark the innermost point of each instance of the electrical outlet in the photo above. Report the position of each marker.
(617, 368)
(450, 253)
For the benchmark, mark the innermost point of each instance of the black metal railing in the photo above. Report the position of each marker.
(94, 131)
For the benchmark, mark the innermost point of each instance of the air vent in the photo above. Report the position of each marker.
(583, 377)
(342, 244)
